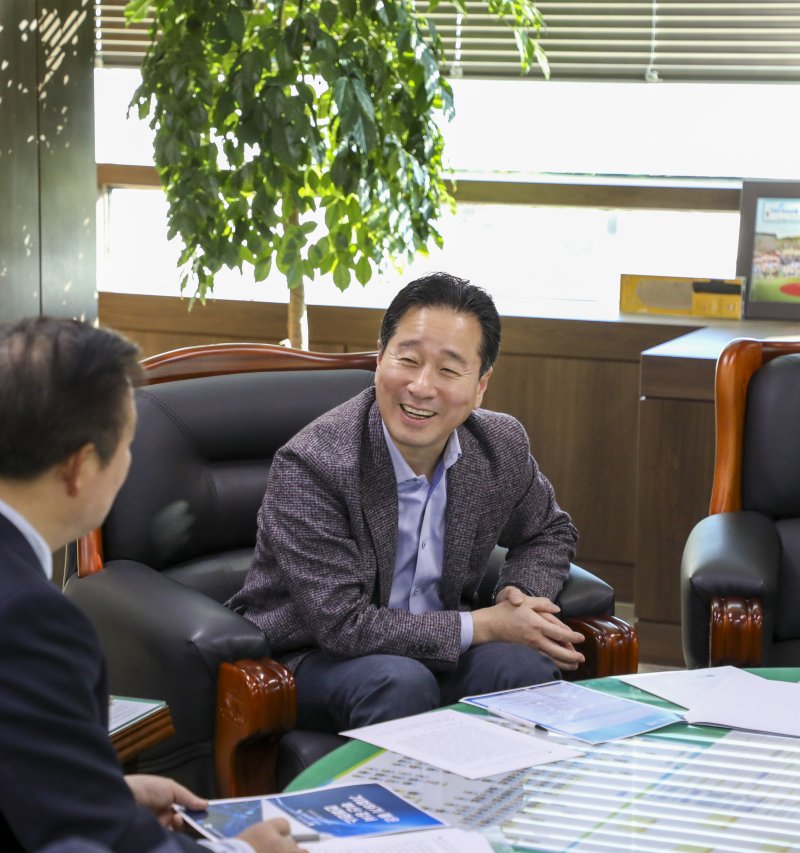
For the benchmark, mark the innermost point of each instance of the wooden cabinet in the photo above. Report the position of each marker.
(676, 470)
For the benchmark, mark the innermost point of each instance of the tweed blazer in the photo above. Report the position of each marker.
(327, 537)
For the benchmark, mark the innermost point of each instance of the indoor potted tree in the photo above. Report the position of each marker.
(302, 134)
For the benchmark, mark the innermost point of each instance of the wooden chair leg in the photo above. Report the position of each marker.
(735, 631)
(255, 706)
(610, 646)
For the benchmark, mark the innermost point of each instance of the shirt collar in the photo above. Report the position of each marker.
(402, 470)
(35, 539)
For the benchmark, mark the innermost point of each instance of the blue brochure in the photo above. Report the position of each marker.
(342, 811)
(580, 712)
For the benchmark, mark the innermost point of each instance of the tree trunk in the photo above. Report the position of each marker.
(298, 320)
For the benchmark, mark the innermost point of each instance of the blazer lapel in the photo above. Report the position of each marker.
(466, 479)
(379, 489)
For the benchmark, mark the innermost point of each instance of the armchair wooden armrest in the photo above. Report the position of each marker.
(255, 707)
(610, 647)
(736, 631)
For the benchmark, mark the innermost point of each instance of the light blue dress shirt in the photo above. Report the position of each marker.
(421, 505)
(35, 539)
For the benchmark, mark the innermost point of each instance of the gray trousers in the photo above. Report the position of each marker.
(334, 694)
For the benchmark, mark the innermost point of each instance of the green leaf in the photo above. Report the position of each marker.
(341, 276)
(328, 13)
(136, 10)
(294, 275)
(234, 22)
(363, 270)
(326, 263)
(262, 268)
(363, 98)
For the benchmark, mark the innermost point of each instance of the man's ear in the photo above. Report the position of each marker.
(482, 383)
(380, 353)
(73, 469)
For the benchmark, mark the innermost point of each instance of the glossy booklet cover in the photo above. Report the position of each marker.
(341, 811)
(571, 709)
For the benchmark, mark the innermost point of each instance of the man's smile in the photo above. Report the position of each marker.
(420, 414)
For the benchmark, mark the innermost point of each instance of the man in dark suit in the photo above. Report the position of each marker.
(379, 519)
(66, 424)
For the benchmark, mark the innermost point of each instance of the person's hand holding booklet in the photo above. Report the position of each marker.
(343, 811)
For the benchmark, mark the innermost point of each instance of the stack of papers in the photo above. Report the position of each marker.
(727, 696)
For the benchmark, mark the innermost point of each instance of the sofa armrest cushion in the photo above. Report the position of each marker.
(164, 640)
(584, 594)
(728, 554)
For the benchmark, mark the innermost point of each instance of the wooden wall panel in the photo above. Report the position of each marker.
(162, 323)
(622, 339)
(581, 416)
(676, 465)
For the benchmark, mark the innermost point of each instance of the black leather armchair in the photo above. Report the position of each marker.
(740, 574)
(179, 540)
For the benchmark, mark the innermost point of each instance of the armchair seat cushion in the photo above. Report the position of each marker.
(300, 748)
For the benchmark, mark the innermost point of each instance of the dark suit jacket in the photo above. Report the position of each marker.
(59, 774)
(327, 537)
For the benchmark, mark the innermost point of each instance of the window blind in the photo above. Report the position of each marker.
(652, 40)
(739, 40)
(116, 43)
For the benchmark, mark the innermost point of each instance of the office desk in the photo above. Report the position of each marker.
(684, 788)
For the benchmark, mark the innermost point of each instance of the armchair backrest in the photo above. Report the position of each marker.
(757, 464)
(771, 451)
(202, 452)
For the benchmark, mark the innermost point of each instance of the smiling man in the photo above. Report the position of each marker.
(379, 520)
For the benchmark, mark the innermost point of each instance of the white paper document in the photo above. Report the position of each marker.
(752, 703)
(684, 687)
(462, 743)
(429, 841)
(727, 696)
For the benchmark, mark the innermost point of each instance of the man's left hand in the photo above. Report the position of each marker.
(159, 795)
(547, 610)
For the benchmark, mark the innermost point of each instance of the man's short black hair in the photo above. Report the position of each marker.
(63, 384)
(442, 290)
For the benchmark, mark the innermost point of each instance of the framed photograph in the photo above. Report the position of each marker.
(769, 249)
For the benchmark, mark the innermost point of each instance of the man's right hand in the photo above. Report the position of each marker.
(271, 836)
(532, 621)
